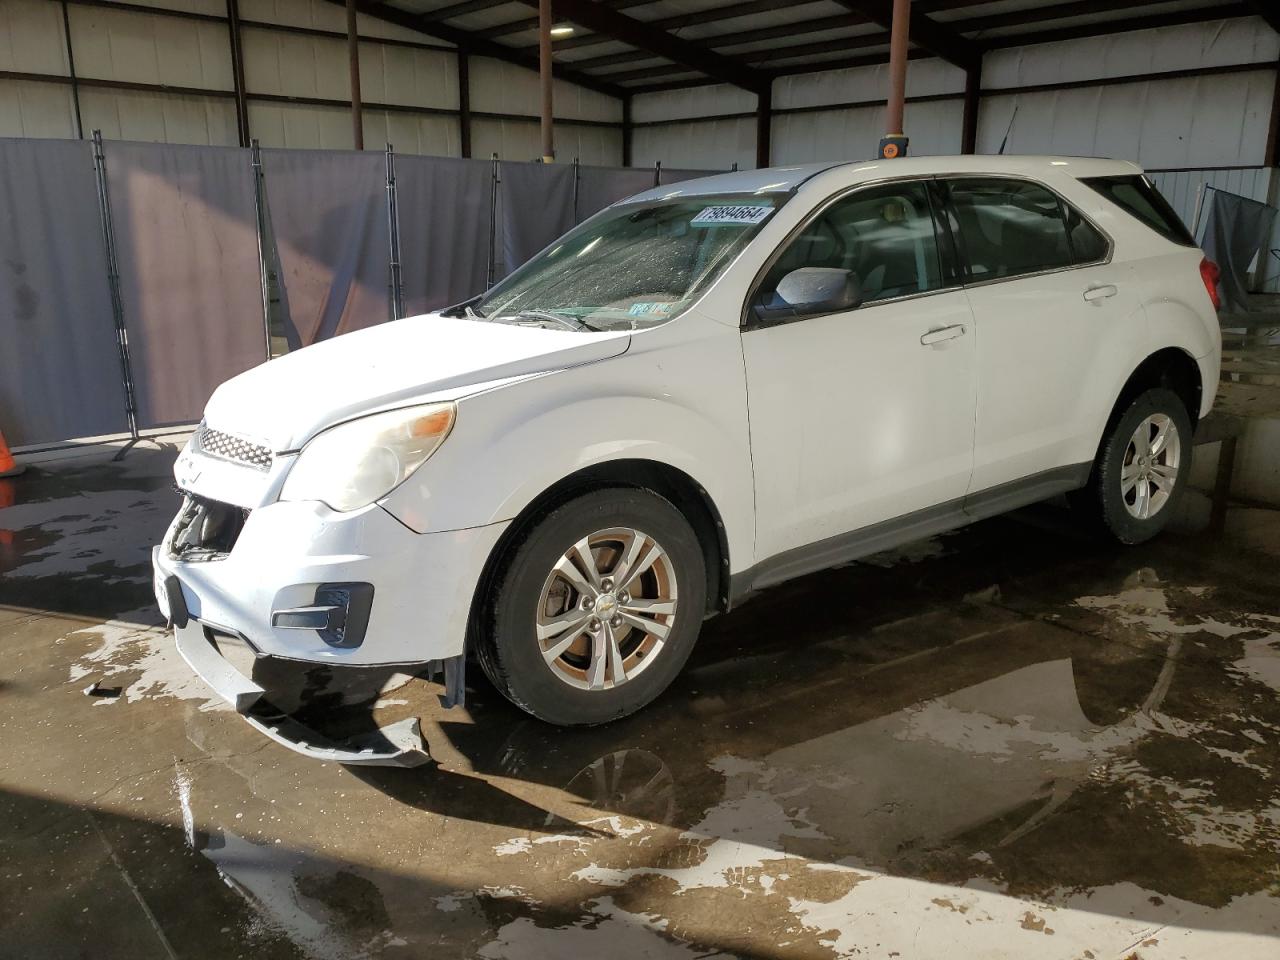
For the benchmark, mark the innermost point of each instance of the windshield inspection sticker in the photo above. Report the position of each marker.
(646, 309)
(740, 215)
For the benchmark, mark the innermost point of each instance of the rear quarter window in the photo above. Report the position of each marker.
(1137, 197)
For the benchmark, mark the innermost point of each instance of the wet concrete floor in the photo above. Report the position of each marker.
(1012, 741)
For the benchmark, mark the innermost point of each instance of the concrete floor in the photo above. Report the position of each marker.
(1011, 741)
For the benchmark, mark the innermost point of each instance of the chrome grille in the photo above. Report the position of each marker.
(228, 446)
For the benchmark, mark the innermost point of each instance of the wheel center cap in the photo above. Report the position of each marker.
(606, 606)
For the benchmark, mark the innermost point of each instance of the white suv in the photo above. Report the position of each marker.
(703, 390)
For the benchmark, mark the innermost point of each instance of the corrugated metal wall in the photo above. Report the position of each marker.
(1190, 121)
(131, 46)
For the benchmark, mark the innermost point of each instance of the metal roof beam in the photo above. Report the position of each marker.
(1268, 11)
(525, 24)
(1059, 11)
(940, 39)
(461, 9)
(602, 19)
(1148, 22)
(479, 47)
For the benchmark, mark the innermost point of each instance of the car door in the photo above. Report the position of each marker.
(862, 415)
(1056, 322)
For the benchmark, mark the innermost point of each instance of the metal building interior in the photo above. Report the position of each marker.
(1006, 741)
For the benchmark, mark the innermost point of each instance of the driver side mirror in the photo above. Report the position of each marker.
(812, 290)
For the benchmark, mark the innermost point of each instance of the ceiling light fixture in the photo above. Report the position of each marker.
(562, 30)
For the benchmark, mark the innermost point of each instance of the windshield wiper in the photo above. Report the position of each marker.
(577, 323)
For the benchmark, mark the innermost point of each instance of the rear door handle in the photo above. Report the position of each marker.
(1101, 292)
(943, 333)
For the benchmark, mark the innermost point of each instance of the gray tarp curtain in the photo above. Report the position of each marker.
(186, 233)
(59, 363)
(535, 205)
(1235, 231)
(444, 229)
(328, 215)
(185, 221)
(598, 187)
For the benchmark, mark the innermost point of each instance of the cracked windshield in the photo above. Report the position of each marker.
(633, 267)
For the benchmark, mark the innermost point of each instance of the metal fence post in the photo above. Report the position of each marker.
(264, 277)
(113, 284)
(393, 229)
(493, 219)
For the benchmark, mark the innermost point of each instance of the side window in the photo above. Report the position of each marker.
(884, 235)
(1087, 244)
(1012, 227)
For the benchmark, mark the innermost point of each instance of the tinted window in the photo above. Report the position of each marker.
(1010, 227)
(1087, 244)
(1137, 196)
(885, 235)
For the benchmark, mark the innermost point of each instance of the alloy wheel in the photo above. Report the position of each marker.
(606, 608)
(1150, 466)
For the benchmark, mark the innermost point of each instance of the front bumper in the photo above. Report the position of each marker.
(423, 585)
(397, 745)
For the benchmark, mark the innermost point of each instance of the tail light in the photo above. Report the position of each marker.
(1210, 274)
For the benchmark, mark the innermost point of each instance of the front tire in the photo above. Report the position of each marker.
(1141, 469)
(596, 609)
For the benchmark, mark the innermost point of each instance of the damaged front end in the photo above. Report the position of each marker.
(205, 529)
(268, 688)
(253, 683)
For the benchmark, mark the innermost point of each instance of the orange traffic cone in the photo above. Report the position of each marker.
(8, 466)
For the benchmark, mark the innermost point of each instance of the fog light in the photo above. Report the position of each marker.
(340, 614)
(348, 623)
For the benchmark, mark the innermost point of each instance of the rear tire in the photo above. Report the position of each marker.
(1141, 469)
(596, 609)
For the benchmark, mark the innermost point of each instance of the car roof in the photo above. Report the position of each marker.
(765, 180)
(787, 179)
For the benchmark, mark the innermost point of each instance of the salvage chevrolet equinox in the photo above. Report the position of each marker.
(701, 391)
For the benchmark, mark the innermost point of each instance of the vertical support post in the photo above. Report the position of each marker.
(264, 271)
(544, 80)
(1201, 194)
(71, 70)
(396, 290)
(113, 285)
(626, 130)
(237, 71)
(577, 174)
(1273, 131)
(464, 103)
(353, 56)
(894, 143)
(764, 124)
(493, 220)
(657, 173)
(972, 103)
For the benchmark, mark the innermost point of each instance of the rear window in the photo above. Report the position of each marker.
(1136, 195)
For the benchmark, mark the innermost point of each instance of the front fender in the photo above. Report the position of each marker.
(683, 405)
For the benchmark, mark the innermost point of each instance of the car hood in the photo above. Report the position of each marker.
(285, 402)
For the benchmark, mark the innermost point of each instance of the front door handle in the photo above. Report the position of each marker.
(942, 333)
(1101, 292)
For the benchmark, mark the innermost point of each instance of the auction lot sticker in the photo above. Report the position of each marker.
(732, 214)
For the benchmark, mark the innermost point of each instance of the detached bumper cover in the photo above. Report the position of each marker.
(397, 745)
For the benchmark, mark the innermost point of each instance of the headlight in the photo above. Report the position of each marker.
(356, 463)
